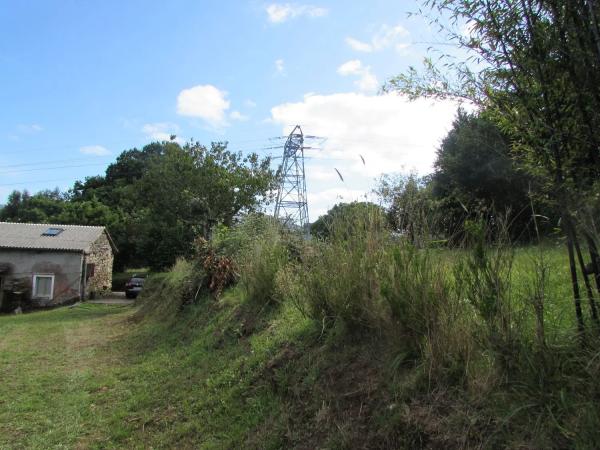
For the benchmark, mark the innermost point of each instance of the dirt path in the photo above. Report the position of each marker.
(115, 298)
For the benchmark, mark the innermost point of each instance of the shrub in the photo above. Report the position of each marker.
(261, 263)
(483, 277)
(337, 277)
(260, 247)
(216, 272)
(165, 294)
(414, 288)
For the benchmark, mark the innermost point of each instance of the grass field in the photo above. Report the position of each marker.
(223, 374)
(56, 368)
(89, 377)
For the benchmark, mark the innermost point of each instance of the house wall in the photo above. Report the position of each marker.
(23, 264)
(101, 255)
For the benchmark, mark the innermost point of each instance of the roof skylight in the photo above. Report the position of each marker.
(53, 231)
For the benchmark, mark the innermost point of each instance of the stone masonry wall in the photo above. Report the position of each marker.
(101, 255)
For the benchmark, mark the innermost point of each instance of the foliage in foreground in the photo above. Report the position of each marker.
(462, 348)
(534, 68)
(413, 348)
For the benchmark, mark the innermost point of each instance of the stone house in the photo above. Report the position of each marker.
(47, 265)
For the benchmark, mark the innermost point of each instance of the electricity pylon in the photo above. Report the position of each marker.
(291, 206)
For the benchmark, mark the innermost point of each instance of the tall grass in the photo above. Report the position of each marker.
(336, 279)
(468, 319)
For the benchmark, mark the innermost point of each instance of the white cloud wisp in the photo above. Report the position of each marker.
(205, 102)
(162, 131)
(367, 81)
(280, 67)
(282, 12)
(386, 37)
(94, 150)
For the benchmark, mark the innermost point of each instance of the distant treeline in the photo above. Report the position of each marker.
(155, 201)
(475, 178)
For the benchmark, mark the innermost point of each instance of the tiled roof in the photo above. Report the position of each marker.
(30, 236)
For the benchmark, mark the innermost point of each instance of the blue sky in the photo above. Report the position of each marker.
(82, 81)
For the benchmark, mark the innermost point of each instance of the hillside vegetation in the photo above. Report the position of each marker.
(365, 341)
(264, 340)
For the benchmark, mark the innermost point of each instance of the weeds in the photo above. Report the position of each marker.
(337, 278)
(454, 322)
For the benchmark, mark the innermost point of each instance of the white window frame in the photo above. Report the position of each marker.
(33, 287)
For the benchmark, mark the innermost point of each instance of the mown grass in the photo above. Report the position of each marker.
(90, 377)
(52, 371)
(235, 373)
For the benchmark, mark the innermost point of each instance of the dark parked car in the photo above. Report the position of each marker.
(134, 286)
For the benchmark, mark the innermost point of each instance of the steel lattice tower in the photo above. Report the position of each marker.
(291, 206)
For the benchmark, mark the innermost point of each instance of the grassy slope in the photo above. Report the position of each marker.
(222, 375)
(216, 379)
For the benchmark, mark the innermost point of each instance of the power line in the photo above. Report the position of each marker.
(56, 161)
(8, 172)
(64, 147)
(20, 183)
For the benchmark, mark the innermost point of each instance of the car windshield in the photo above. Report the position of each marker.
(137, 280)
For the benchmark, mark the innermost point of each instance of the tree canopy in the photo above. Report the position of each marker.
(157, 200)
(534, 66)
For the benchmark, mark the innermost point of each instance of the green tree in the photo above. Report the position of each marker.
(476, 176)
(535, 67)
(42, 207)
(157, 200)
(188, 190)
(354, 214)
(411, 208)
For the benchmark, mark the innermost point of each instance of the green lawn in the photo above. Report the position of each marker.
(216, 375)
(90, 377)
(55, 372)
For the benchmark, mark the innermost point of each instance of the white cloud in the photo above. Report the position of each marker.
(29, 128)
(318, 173)
(391, 133)
(236, 115)
(280, 66)
(367, 81)
(205, 102)
(162, 131)
(250, 103)
(281, 12)
(402, 48)
(359, 46)
(386, 37)
(468, 29)
(94, 150)
(352, 67)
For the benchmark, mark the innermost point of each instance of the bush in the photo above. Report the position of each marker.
(165, 294)
(260, 260)
(415, 288)
(216, 272)
(337, 277)
(483, 277)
